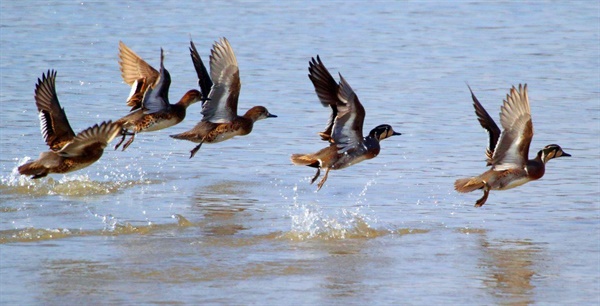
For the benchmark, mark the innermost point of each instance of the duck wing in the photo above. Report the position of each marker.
(512, 149)
(54, 124)
(97, 135)
(137, 74)
(204, 80)
(348, 125)
(222, 101)
(156, 98)
(327, 90)
(488, 124)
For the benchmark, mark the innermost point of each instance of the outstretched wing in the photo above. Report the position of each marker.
(137, 74)
(348, 125)
(327, 91)
(97, 135)
(487, 123)
(157, 98)
(513, 147)
(223, 97)
(54, 125)
(204, 80)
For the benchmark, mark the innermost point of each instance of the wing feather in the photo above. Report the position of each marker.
(513, 146)
(486, 122)
(137, 74)
(54, 124)
(348, 125)
(204, 81)
(156, 99)
(223, 97)
(327, 90)
(100, 135)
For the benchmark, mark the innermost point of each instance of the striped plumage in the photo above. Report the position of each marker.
(347, 146)
(508, 151)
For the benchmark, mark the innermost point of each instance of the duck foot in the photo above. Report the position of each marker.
(322, 182)
(316, 176)
(486, 193)
(120, 141)
(128, 142)
(194, 150)
(124, 133)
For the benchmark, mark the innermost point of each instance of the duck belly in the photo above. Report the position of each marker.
(224, 136)
(160, 123)
(509, 183)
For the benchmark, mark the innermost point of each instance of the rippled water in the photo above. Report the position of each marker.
(238, 224)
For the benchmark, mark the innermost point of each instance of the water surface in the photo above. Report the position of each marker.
(238, 224)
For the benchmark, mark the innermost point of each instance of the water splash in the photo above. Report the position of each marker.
(76, 184)
(310, 221)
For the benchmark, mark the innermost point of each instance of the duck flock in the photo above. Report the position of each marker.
(507, 151)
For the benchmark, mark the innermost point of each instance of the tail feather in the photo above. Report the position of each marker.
(33, 168)
(468, 184)
(178, 136)
(305, 160)
(188, 135)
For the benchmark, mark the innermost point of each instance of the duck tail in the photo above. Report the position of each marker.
(179, 136)
(304, 160)
(34, 168)
(468, 184)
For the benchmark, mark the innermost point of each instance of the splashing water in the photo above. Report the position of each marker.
(309, 221)
(69, 184)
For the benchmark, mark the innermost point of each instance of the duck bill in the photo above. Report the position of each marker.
(271, 116)
(565, 154)
(396, 134)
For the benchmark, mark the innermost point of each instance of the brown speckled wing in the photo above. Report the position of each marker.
(204, 81)
(513, 147)
(348, 125)
(97, 135)
(488, 124)
(223, 97)
(54, 125)
(326, 89)
(137, 74)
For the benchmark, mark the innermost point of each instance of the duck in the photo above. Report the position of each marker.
(508, 150)
(149, 97)
(344, 130)
(68, 151)
(220, 120)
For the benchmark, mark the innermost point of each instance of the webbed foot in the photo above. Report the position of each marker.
(322, 182)
(486, 193)
(194, 150)
(128, 142)
(316, 176)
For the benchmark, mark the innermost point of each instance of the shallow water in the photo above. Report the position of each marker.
(238, 224)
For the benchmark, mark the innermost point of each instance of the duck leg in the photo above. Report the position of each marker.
(124, 133)
(120, 141)
(194, 150)
(316, 176)
(486, 193)
(322, 182)
(128, 141)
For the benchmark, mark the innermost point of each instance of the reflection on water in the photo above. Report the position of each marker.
(346, 268)
(223, 199)
(509, 267)
(151, 226)
(114, 228)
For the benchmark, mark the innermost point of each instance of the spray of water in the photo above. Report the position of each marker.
(312, 220)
